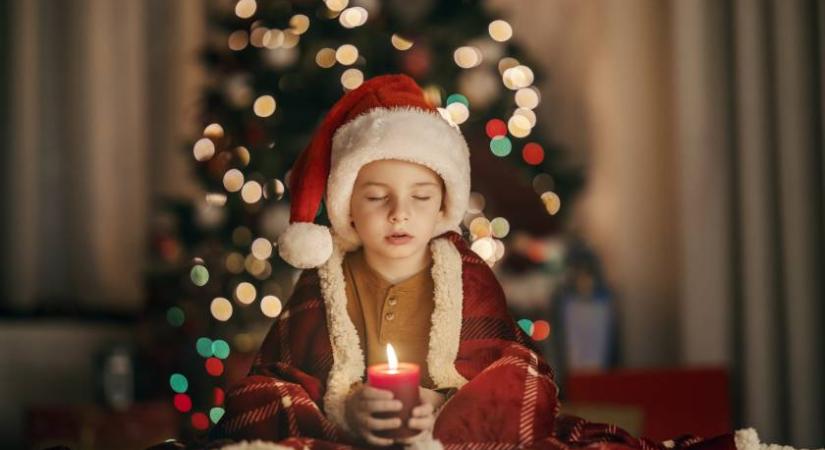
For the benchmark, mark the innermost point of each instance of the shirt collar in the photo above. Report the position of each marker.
(376, 281)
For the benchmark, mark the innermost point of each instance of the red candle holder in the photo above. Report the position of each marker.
(403, 382)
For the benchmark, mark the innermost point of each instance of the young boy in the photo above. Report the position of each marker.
(395, 177)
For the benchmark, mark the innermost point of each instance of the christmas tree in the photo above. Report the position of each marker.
(275, 68)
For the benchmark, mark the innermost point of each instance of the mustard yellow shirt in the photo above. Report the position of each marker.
(383, 312)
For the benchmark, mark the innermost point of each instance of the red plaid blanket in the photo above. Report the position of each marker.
(507, 397)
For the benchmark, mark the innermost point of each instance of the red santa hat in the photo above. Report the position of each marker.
(387, 117)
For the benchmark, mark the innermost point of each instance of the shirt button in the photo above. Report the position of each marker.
(389, 316)
(392, 301)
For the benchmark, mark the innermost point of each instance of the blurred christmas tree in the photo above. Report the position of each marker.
(275, 68)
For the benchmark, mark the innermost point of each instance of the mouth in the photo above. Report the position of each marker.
(399, 238)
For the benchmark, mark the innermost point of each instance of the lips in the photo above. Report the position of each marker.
(399, 238)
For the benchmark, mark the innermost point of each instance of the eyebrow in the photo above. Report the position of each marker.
(421, 183)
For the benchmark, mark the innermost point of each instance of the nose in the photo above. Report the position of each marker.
(399, 212)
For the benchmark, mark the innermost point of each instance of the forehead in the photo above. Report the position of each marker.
(392, 173)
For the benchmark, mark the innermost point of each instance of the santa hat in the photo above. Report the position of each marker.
(387, 117)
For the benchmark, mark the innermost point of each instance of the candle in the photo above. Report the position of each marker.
(402, 379)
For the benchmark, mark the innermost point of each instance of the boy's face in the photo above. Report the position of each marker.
(392, 198)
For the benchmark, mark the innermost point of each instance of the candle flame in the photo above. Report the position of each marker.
(392, 360)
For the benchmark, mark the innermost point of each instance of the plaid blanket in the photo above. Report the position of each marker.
(507, 397)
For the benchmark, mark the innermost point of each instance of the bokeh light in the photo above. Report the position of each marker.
(203, 149)
(271, 306)
(501, 146)
(221, 309)
(204, 347)
(453, 98)
(218, 396)
(400, 43)
(261, 248)
(182, 402)
(178, 383)
(353, 17)
(264, 106)
(500, 30)
(200, 421)
(213, 131)
(336, 5)
(243, 155)
(480, 227)
(199, 275)
(238, 40)
(233, 180)
(458, 112)
(245, 8)
(526, 325)
(495, 128)
(175, 316)
(215, 199)
(477, 203)
(251, 192)
(299, 24)
(533, 154)
(484, 248)
(215, 414)
(352, 78)
(519, 126)
(325, 58)
(245, 293)
(543, 183)
(541, 330)
(500, 227)
(214, 366)
(552, 202)
(346, 54)
(527, 97)
(467, 57)
(220, 348)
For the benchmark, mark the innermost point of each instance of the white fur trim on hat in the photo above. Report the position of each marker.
(403, 133)
(305, 245)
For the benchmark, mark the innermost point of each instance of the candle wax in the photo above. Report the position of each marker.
(403, 382)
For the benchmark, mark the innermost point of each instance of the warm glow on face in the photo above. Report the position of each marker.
(392, 360)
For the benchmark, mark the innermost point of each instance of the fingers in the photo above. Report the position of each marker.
(422, 423)
(374, 423)
(423, 410)
(374, 406)
(376, 440)
(372, 393)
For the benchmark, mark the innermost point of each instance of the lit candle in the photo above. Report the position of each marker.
(402, 379)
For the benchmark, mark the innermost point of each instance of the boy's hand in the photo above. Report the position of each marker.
(423, 416)
(361, 403)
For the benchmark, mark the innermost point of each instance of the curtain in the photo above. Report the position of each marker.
(701, 123)
(750, 145)
(99, 95)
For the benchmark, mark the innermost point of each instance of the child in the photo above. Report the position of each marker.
(395, 176)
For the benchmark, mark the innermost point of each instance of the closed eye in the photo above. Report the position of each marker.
(375, 199)
(422, 198)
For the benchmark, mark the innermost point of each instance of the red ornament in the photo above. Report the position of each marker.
(533, 154)
(200, 421)
(182, 402)
(495, 128)
(214, 367)
(218, 396)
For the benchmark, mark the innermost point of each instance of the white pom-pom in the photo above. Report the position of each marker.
(305, 245)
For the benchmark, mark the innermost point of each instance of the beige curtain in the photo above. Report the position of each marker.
(701, 123)
(99, 95)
